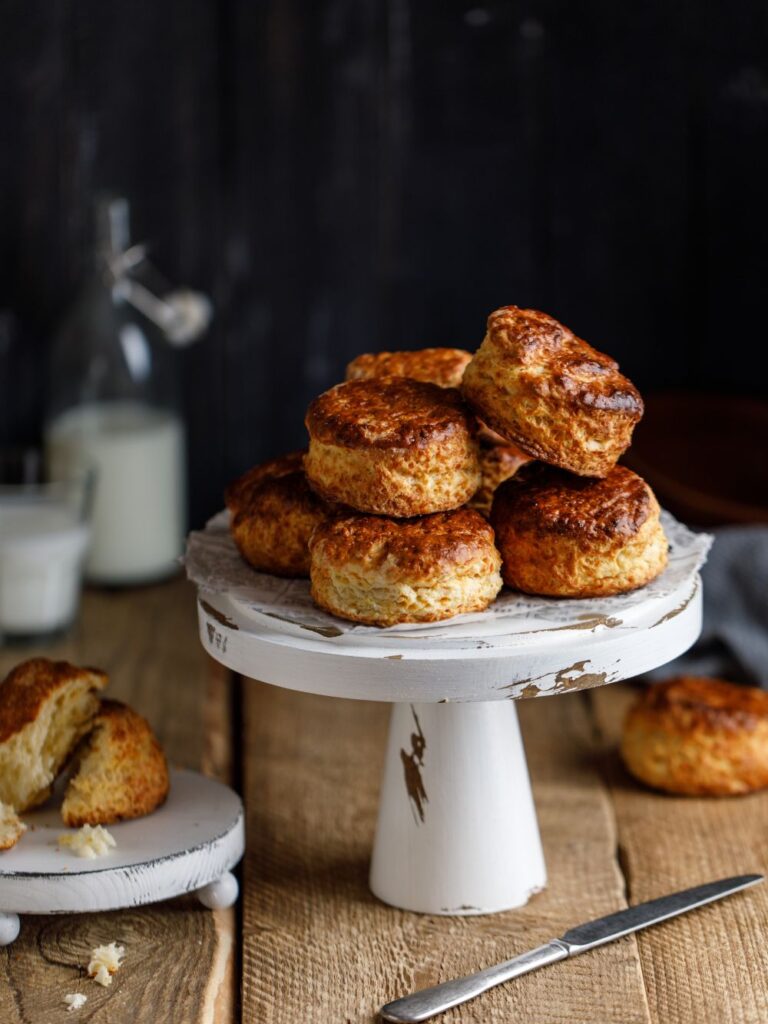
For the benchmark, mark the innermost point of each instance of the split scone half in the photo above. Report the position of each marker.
(550, 393)
(567, 536)
(273, 512)
(392, 446)
(120, 770)
(46, 707)
(442, 366)
(387, 571)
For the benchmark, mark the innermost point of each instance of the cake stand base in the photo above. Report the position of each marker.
(457, 830)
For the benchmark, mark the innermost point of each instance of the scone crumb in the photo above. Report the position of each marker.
(11, 827)
(75, 1000)
(89, 841)
(104, 962)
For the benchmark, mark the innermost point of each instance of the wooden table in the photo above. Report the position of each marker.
(308, 942)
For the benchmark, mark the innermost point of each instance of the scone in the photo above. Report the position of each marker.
(568, 536)
(120, 770)
(442, 366)
(392, 446)
(699, 737)
(11, 827)
(551, 393)
(387, 571)
(498, 462)
(45, 708)
(273, 512)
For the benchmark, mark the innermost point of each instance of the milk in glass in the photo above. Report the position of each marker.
(42, 542)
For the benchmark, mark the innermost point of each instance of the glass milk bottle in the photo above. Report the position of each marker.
(113, 409)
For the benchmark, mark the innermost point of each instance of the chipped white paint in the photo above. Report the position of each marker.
(457, 830)
(190, 843)
(481, 666)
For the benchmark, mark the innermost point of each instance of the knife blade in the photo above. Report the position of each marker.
(427, 1003)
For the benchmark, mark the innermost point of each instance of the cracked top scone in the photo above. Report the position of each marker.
(273, 512)
(441, 366)
(392, 446)
(560, 400)
(567, 536)
(384, 571)
(699, 737)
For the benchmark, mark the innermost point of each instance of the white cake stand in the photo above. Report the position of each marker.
(457, 830)
(190, 844)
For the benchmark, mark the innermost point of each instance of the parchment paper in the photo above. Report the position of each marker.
(213, 562)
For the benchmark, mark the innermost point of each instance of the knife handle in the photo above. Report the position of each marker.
(425, 1004)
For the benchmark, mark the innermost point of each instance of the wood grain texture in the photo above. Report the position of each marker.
(318, 946)
(315, 944)
(711, 965)
(163, 977)
(178, 963)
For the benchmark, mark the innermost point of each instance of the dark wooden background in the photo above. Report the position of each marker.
(348, 175)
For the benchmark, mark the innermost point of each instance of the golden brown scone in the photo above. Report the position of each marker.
(498, 462)
(698, 737)
(120, 773)
(387, 571)
(570, 536)
(238, 493)
(11, 827)
(551, 393)
(392, 446)
(273, 512)
(441, 366)
(45, 708)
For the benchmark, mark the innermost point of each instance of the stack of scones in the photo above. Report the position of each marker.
(433, 477)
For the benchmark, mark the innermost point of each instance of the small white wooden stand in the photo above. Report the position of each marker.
(457, 830)
(190, 844)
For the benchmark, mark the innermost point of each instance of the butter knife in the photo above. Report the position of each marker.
(430, 1001)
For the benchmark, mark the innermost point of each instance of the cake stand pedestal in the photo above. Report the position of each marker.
(457, 830)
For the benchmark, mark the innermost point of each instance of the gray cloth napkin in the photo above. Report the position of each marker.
(734, 639)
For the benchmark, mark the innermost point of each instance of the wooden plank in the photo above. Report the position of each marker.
(178, 965)
(711, 965)
(317, 945)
